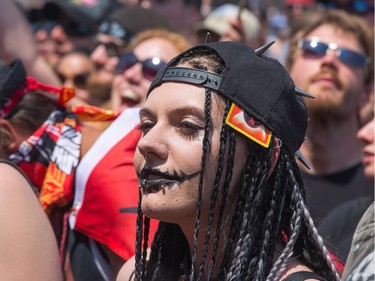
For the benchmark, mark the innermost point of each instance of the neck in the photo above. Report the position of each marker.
(188, 230)
(332, 147)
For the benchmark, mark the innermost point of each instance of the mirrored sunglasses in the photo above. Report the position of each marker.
(150, 66)
(79, 80)
(320, 49)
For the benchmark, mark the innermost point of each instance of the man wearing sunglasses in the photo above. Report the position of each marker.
(135, 70)
(332, 59)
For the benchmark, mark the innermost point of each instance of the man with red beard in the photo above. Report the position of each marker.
(332, 59)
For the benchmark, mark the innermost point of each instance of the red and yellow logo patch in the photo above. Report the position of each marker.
(248, 126)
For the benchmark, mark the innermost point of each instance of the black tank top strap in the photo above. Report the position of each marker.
(303, 275)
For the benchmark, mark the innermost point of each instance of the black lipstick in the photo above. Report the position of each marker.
(153, 179)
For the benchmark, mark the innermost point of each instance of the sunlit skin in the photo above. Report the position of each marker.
(366, 135)
(129, 88)
(177, 111)
(104, 64)
(72, 65)
(334, 84)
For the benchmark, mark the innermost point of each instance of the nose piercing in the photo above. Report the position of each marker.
(147, 156)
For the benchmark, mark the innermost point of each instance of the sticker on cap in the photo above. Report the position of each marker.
(248, 126)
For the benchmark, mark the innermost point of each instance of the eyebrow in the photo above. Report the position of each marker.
(185, 110)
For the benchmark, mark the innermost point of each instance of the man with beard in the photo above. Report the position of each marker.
(112, 38)
(332, 59)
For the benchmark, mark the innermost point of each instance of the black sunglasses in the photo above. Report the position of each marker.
(112, 49)
(150, 66)
(79, 80)
(320, 49)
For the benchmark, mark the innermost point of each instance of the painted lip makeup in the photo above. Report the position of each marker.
(151, 179)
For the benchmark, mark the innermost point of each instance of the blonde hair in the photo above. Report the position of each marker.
(179, 41)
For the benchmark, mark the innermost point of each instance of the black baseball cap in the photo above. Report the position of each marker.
(259, 85)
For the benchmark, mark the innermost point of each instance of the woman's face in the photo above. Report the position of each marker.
(129, 88)
(168, 156)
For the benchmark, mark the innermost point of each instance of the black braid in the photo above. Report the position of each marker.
(138, 245)
(155, 255)
(261, 259)
(235, 225)
(287, 253)
(146, 231)
(310, 244)
(215, 192)
(279, 188)
(207, 112)
(255, 209)
(248, 234)
(268, 247)
(224, 198)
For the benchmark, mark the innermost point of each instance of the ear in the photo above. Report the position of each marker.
(9, 138)
(366, 95)
(275, 155)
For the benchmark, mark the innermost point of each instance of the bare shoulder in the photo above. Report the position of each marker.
(11, 180)
(24, 227)
(127, 270)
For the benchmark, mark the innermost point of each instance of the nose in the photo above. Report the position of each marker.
(153, 145)
(366, 133)
(99, 55)
(133, 73)
(69, 83)
(330, 58)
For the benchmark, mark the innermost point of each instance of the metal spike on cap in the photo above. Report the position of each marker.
(302, 93)
(300, 157)
(259, 51)
(208, 38)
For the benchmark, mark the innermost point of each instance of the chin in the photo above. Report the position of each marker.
(173, 212)
(369, 172)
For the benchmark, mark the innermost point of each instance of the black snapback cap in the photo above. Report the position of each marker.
(260, 85)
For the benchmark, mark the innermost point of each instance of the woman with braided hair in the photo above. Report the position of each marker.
(221, 126)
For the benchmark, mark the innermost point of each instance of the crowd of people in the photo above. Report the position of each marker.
(187, 140)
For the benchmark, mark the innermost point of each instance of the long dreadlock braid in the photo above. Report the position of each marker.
(206, 144)
(215, 191)
(224, 196)
(312, 228)
(250, 211)
(138, 245)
